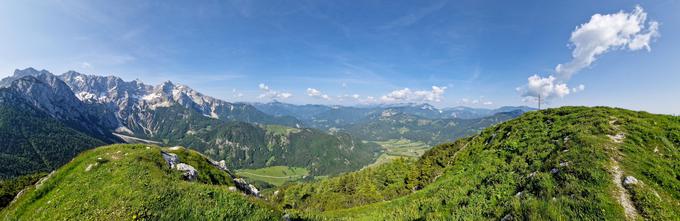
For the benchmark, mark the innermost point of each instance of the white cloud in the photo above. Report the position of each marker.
(313, 92)
(85, 65)
(272, 94)
(317, 94)
(603, 33)
(408, 95)
(578, 89)
(546, 88)
(608, 32)
(236, 94)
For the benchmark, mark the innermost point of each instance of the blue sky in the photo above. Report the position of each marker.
(477, 53)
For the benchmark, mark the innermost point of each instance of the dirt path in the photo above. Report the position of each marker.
(621, 193)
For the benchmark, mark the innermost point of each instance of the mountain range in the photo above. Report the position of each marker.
(110, 110)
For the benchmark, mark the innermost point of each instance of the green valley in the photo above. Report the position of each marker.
(403, 147)
(274, 175)
(397, 149)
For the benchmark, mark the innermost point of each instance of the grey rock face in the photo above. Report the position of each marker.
(6, 82)
(190, 173)
(122, 106)
(133, 102)
(630, 180)
(242, 185)
(170, 158)
(48, 93)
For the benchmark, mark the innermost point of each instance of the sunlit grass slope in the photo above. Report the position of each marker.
(128, 182)
(559, 164)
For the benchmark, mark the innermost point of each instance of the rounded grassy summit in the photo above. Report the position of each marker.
(570, 163)
(123, 182)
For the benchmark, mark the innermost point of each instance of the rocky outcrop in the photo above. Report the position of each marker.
(630, 180)
(245, 187)
(190, 173)
(170, 158)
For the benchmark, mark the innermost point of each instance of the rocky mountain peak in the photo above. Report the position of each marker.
(29, 72)
(50, 94)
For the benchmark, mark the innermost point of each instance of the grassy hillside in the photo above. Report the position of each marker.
(556, 164)
(123, 182)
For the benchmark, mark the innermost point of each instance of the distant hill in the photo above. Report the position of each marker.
(570, 163)
(398, 125)
(418, 122)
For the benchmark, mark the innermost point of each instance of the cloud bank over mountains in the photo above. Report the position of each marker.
(312, 92)
(602, 34)
(272, 94)
(435, 94)
(408, 95)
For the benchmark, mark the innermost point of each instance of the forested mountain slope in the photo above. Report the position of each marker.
(244, 145)
(33, 141)
(391, 124)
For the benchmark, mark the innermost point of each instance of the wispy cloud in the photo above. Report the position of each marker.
(413, 17)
